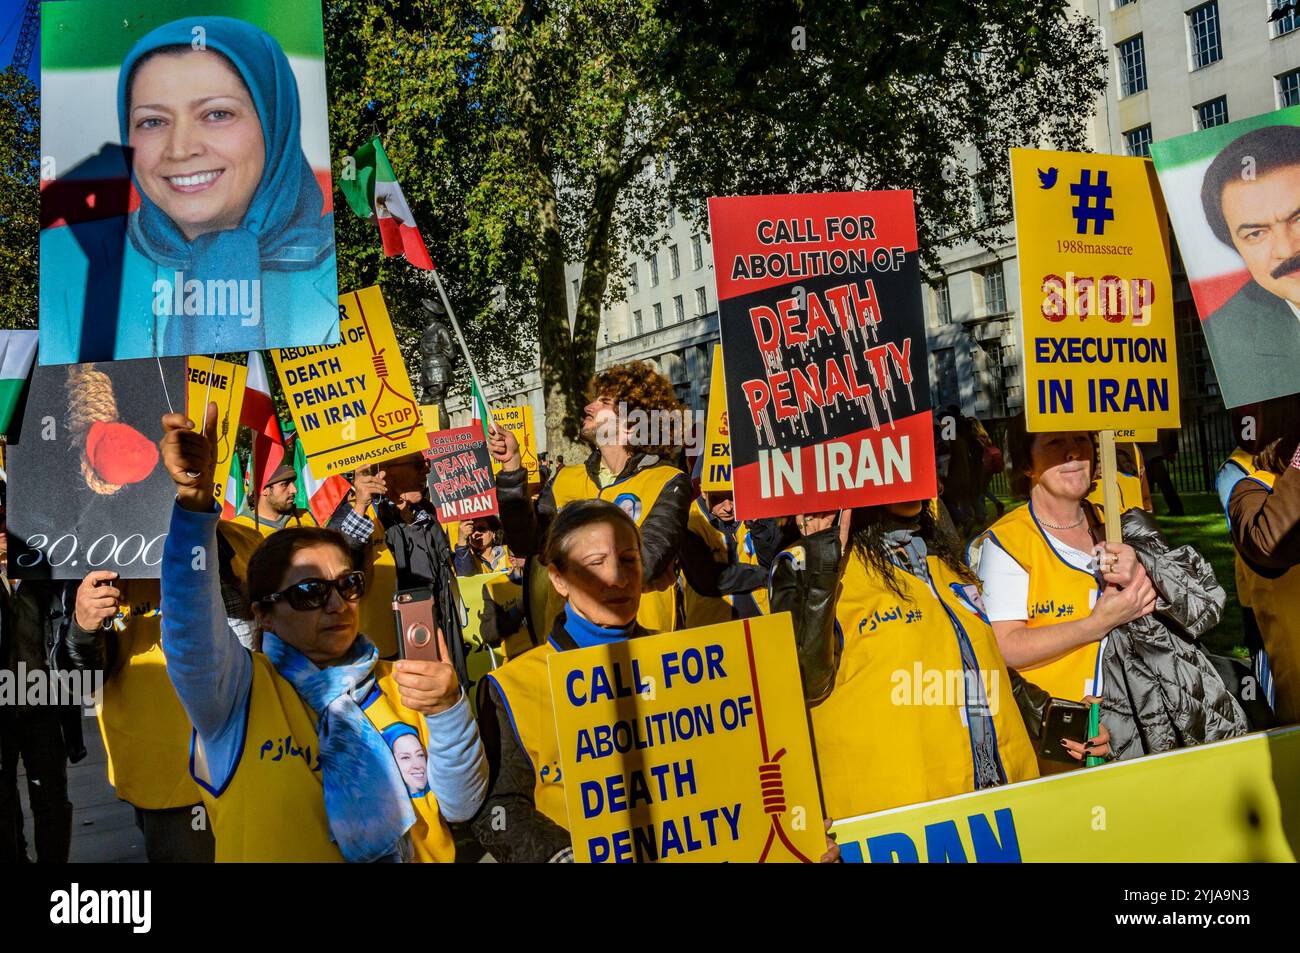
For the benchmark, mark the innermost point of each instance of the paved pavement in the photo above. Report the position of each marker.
(103, 828)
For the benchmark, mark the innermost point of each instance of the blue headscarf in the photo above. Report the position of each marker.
(283, 228)
(397, 730)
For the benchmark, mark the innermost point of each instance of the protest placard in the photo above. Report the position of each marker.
(87, 489)
(1096, 297)
(1232, 191)
(716, 472)
(1137, 435)
(688, 746)
(208, 380)
(493, 628)
(1228, 802)
(828, 394)
(519, 421)
(352, 402)
(227, 248)
(460, 474)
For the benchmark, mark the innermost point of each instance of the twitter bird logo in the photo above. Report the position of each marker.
(1048, 178)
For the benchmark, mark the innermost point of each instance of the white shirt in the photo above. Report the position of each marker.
(1006, 584)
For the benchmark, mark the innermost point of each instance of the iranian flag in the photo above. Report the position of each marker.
(1214, 269)
(322, 497)
(479, 413)
(373, 192)
(258, 415)
(17, 351)
(232, 497)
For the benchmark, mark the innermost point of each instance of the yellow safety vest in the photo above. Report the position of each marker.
(524, 685)
(637, 495)
(709, 610)
(146, 731)
(273, 806)
(300, 518)
(377, 604)
(1130, 486)
(1275, 603)
(892, 731)
(1058, 592)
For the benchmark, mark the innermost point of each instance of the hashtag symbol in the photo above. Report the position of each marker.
(1092, 203)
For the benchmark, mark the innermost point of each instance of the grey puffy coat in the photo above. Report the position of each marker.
(1161, 691)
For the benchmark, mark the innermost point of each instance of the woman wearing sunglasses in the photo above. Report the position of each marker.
(289, 744)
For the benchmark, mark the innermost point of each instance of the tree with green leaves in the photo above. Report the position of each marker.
(19, 200)
(530, 134)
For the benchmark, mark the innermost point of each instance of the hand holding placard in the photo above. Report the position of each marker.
(190, 458)
(504, 447)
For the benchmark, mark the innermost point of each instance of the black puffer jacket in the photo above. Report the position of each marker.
(1161, 691)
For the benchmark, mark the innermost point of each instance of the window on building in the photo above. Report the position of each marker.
(575, 290)
(1137, 142)
(1213, 113)
(1132, 66)
(697, 253)
(659, 316)
(672, 217)
(1288, 23)
(995, 289)
(1203, 24)
(1123, 3)
(942, 303)
(633, 281)
(638, 326)
(701, 302)
(674, 262)
(654, 269)
(679, 309)
(1288, 89)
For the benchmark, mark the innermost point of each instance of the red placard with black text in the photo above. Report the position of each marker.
(461, 485)
(824, 350)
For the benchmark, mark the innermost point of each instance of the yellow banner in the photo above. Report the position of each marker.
(688, 746)
(519, 421)
(208, 381)
(477, 596)
(1230, 801)
(716, 475)
(352, 402)
(429, 416)
(1096, 297)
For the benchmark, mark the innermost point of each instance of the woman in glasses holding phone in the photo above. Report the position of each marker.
(289, 744)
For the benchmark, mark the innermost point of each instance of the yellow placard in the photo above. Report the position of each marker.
(519, 421)
(688, 746)
(430, 417)
(352, 402)
(208, 381)
(1230, 801)
(475, 594)
(1096, 297)
(716, 472)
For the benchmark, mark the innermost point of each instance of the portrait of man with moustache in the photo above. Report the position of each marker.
(1251, 198)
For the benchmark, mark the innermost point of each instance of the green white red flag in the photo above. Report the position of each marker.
(372, 191)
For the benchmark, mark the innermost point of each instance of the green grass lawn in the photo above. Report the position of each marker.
(1204, 527)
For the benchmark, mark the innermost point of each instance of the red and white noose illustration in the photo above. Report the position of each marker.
(769, 772)
(113, 454)
(389, 405)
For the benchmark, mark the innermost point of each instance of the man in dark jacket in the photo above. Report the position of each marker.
(44, 735)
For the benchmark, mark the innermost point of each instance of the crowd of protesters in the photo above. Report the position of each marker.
(258, 686)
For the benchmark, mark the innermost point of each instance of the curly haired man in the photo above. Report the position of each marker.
(633, 423)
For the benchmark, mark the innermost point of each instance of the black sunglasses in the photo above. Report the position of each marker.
(314, 593)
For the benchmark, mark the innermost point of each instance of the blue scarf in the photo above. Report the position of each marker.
(587, 633)
(283, 228)
(366, 800)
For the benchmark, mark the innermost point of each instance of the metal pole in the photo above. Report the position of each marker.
(460, 339)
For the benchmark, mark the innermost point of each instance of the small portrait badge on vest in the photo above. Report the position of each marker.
(631, 505)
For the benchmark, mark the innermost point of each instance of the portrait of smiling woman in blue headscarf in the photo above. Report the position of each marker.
(230, 248)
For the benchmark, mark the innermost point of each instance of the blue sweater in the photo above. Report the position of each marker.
(213, 674)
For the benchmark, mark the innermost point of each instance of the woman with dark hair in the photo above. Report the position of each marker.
(1053, 587)
(230, 248)
(592, 555)
(910, 697)
(291, 744)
